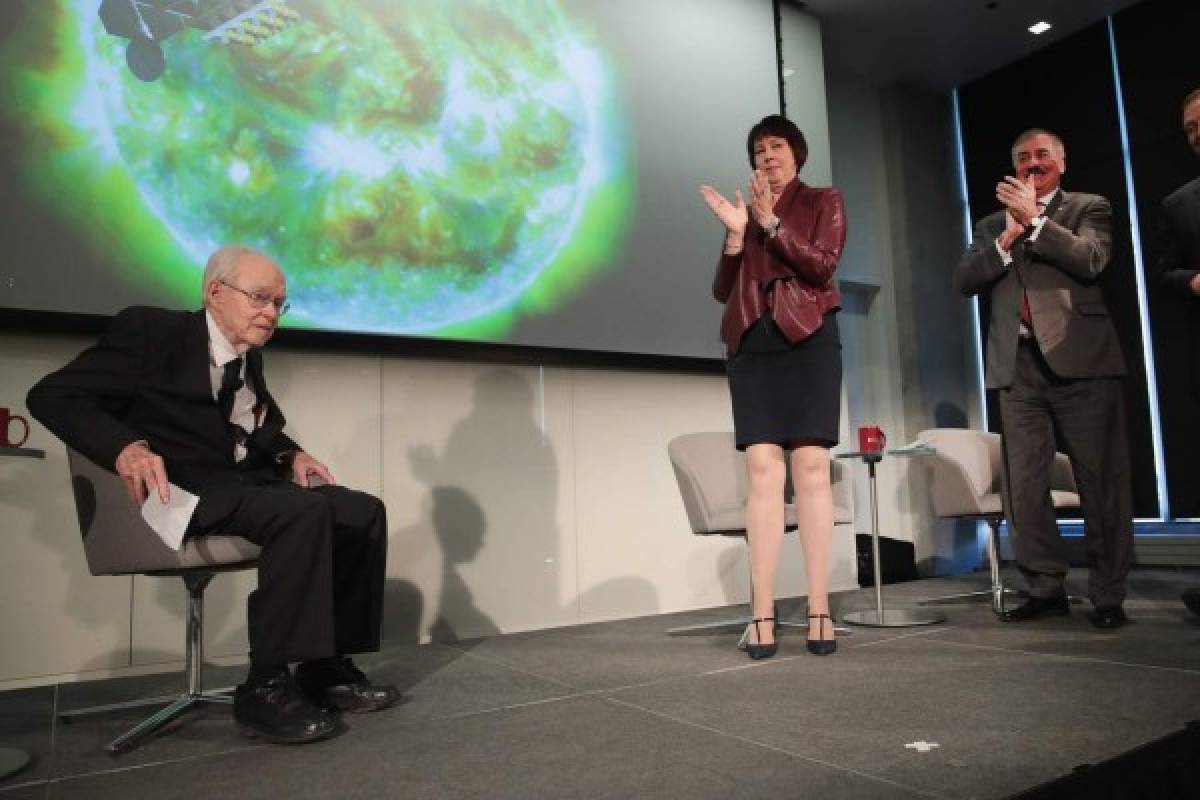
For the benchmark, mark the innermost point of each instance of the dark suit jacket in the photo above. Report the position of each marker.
(1179, 261)
(790, 273)
(148, 378)
(1179, 258)
(1059, 272)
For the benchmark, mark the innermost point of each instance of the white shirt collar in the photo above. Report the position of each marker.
(220, 351)
(1046, 198)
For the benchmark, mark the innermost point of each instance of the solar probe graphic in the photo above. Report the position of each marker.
(148, 23)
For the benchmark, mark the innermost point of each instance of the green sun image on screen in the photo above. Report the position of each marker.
(431, 166)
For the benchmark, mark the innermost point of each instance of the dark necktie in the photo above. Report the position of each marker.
(231, 381)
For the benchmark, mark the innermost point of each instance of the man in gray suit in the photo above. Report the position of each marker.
(1178, 266)
(1054, 359)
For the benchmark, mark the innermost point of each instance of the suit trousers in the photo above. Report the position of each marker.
(1089, 416)
(320, 570)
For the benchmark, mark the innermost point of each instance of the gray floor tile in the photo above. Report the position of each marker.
(619, 709)
(611, 655)
(25, 716)
(23, 791)
(445, 681)
(580, 748)
(442, 682)
(1003, 720)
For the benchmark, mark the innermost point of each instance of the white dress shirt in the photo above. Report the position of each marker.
(220, 353)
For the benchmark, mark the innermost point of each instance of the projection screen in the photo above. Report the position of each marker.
(512, 171)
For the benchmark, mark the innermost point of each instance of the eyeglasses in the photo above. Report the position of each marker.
(261, 299)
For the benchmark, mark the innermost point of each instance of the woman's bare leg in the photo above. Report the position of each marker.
(766, 470)
(814, 523)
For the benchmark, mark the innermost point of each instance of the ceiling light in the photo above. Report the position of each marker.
(1039, 27)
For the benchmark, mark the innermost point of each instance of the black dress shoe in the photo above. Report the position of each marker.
(760, 651)
(276, 710)
(1038, 607)
(822, 646)
(1107, 617)
(1191, 599)
(336, 684)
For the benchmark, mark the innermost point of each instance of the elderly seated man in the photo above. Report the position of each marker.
(180, 396)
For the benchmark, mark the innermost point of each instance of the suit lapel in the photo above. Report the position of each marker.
(273, 420)
(1056, 204)
(190, 366)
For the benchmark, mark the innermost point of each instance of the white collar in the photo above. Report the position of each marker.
(220, 351)
(1046, 198)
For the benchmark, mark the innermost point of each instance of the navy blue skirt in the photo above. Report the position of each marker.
(784, 392)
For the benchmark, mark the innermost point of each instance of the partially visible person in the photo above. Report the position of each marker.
(1055, 361)
(1178, 266)
(180, 396)
(776, 279)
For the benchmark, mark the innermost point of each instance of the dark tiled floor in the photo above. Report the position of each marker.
(620, 710)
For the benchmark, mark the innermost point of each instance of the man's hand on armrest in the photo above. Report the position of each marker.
(143, 472)
(304, 465)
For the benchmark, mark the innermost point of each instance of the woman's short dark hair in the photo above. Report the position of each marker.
(784, 128)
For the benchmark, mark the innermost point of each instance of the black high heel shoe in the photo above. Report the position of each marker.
(822, 646)
(760, 651)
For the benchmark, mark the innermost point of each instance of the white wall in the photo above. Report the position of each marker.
(910, 361)
(518, 498)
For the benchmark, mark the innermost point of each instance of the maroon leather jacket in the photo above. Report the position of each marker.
(790, 274)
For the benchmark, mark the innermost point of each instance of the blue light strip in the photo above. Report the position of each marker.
(1139, 275)
(981, 528)
(967, 232)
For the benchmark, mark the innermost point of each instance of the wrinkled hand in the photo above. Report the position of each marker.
(304, 465)
(732, 215)
(1194, 284)
(762, 202)
(1012, 229)
(1019, 197)
(143, 472)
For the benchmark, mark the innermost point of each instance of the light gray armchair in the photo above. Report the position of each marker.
(965, 476)
(117, 541)
(711, 474)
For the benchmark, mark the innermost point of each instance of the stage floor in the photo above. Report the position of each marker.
(971, 708)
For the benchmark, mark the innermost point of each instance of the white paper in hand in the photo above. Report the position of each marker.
(170, 520)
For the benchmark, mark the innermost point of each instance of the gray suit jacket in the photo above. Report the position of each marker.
(1059, 272)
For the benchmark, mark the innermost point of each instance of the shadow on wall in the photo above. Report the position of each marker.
(491, 509)
(459, 524)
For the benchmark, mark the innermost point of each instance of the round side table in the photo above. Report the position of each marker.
(880, 617)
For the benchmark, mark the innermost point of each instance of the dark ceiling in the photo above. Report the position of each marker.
(941, 44)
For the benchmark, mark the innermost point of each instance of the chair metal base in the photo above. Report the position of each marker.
(176, 705)
(12, 761)
(893, 618)
(981, 594)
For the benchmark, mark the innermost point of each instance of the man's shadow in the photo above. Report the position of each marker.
(495, 480)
